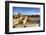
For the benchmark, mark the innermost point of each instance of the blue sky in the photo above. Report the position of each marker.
(26, 10)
